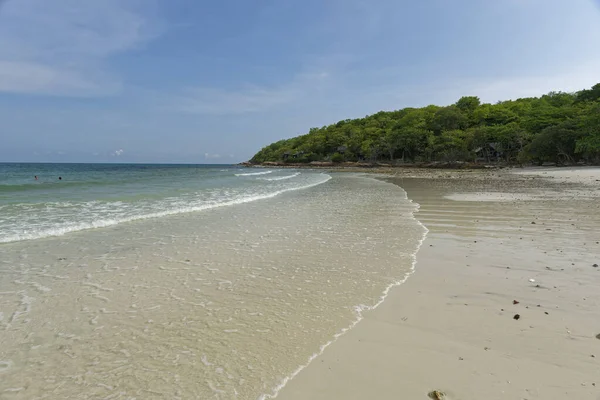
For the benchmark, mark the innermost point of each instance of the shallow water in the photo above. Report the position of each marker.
(223, 303)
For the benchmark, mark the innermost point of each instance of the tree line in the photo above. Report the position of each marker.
(557, 127)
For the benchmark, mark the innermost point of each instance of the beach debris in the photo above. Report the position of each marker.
(515, 302)
(486, 348)
(595, 265)
(546, 312)
(516, 317)
(532, 280)
(532, 223)
(436, 395)
(460, 359)
(598, 336)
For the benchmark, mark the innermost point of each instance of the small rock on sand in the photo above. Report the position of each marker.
(436, 395)
(516, 317)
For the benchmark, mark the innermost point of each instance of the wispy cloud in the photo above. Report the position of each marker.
(250, 98)
(60, 47)
(211, 156)
(117, 153)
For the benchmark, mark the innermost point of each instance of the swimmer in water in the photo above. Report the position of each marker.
(36, 177)
(60, 178)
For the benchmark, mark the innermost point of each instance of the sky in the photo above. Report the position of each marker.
(196, 81)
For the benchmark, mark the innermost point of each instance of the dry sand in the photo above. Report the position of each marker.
(451, 326)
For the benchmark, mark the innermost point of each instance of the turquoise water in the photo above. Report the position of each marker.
(100, 195)
(187, 281)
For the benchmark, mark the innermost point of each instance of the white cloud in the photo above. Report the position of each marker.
(117, 153)
(213, 156)
(60, 47)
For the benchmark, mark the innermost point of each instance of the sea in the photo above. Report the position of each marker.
(140, 281)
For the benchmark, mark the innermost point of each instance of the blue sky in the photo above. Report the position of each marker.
(213, 82)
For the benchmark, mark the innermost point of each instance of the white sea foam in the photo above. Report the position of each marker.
(280, 178)
(254, 173)
(181, 207)
(359, 310)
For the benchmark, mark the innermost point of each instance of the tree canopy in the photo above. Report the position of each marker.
(556, 127)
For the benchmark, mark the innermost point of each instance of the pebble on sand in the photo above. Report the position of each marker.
(436, 395)
(516, 317)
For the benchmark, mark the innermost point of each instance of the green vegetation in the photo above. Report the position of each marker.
(557, 127)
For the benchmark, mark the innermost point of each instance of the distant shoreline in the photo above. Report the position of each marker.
(386, 168)
(374, 166)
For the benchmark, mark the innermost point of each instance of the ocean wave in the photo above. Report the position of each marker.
(254, 173)
(280, 178)
(105, 222)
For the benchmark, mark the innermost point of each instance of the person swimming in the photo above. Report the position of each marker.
(36, 178)
(60, 178)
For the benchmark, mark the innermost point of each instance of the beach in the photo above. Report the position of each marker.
(503, 303)
(210, 282)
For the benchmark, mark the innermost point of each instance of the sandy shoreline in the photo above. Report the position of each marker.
(451, 326)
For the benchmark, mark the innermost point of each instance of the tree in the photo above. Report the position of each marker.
(592, 94)
(468, 104)
(589, 144)
(555, 143)
(448, 119)
(558, 127)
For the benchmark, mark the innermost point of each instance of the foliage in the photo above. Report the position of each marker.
(556, 127)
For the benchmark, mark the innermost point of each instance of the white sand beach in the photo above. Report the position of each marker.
(487, 259)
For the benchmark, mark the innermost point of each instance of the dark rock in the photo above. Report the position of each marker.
(515, 302)
(532, 223)
(516, 317)
(595, 265)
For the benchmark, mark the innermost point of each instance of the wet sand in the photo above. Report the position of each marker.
(451, 327)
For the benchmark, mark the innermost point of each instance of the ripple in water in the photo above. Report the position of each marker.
(222, 304)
